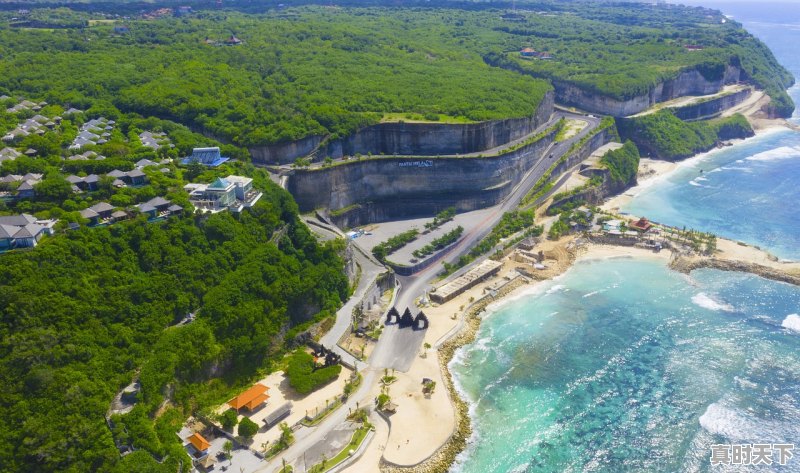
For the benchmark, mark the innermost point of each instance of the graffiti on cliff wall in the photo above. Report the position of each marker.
(416, 164)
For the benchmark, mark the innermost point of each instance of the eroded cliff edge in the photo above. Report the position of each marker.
(410, 139)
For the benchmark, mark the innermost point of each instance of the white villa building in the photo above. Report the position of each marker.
(232, 193)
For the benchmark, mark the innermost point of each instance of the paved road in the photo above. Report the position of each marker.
(370, 270)
(393, 350)
(307, 438)
(398, 347)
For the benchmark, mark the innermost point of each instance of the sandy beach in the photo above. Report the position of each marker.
(423, 423)
(428, 431)
(652, 171)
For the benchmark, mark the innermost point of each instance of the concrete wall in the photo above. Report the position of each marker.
(419, 139)
(689, 82)
(380, 189)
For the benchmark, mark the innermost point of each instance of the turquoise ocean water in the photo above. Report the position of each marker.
(748, 192)
(624, 366)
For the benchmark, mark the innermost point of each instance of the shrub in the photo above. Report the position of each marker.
(247, 428)
(303, 376)
(229, 419)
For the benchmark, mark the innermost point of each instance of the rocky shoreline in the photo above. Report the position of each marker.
(445, 456)
(686, 265)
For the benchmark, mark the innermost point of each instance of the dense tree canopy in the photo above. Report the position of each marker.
(663, 135)
(320, 71)
(83, 312)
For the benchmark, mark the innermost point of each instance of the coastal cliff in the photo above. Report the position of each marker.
(614, 173)
(410, 139)
(377, 189)
(662, 135)
(712, 107)
(688, 82)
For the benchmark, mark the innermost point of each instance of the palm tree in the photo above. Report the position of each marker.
(287, 435)
(227, 448)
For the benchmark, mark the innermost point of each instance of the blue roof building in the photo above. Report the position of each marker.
(210, 157)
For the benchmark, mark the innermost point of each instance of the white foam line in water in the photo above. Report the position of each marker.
(697, 160)
(777, 154)
(792, 322)
(537, 289)
(705, 301)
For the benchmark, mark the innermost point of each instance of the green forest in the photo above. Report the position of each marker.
(313, 70)
(662, 135)
(84, 312)
(622, 164)
(91, 309)
(623, 50)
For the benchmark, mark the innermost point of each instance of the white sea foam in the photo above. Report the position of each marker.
(705, 301)
(594, 293)
(777, 154)
(738, 425)
(792, 322)
(720, 420)
(556, 288)
(522, 293)
(737, 168)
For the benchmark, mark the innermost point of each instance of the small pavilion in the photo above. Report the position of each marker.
(250, 399)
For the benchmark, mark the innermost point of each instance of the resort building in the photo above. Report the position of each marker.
(274, 417)
(198, 448)
(23, 231)
(159, 207)
(210, 157)
(472, 277)
(231, 193)
(641, 225)
(154, 140)
(94, 132)
(9, 154)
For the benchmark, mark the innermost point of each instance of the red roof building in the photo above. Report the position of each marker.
(251, 398)
(641, 225)
(199, 442)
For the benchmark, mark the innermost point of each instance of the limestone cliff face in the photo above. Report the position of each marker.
(711, 108)
(284, 153)
(378, 189)
(412, 139)
(689, 82)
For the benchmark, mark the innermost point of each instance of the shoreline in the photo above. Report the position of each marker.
(733, 256)
(652, 171)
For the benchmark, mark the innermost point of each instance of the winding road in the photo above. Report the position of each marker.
(397, 348)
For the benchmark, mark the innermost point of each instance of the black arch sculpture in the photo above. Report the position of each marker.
(421, 322)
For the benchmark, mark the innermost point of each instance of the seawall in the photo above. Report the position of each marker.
(688, 82)
(412, 139)
(387, 188)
